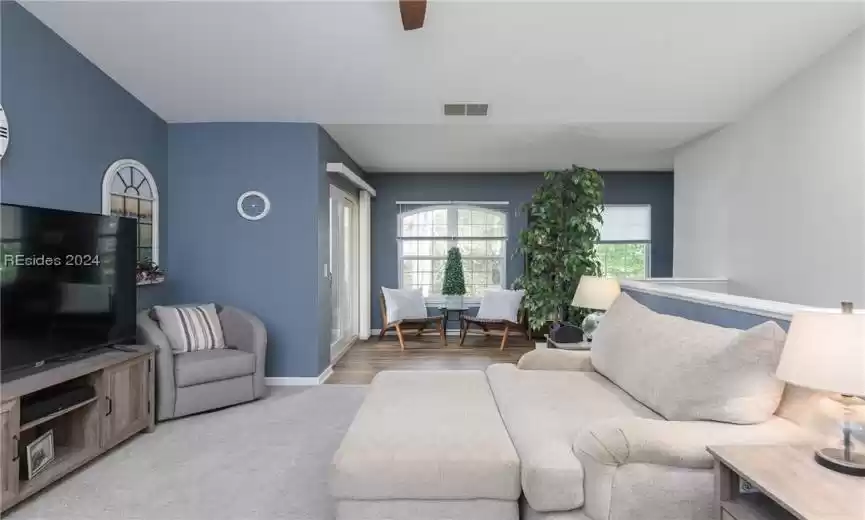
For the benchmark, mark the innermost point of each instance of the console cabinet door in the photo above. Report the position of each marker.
(9, 424)
(126, 405)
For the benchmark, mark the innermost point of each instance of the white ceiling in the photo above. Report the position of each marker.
(608, 85)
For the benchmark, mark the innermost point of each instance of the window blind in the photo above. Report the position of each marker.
(627, 224)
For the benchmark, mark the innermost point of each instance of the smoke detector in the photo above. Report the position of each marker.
(466, 109)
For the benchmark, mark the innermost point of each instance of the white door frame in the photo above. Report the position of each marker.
(363, 246)
(364, 265)
(353, 319)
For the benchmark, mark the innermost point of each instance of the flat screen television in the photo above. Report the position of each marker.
(67, 284)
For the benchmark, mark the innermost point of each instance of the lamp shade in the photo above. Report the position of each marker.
(596, 293)
(825, 351)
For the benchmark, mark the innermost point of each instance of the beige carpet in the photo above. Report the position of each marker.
(263, 460)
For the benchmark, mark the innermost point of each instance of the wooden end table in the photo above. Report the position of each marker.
(788, 484)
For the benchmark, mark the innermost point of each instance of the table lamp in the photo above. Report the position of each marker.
(596, 293)
(826, 351)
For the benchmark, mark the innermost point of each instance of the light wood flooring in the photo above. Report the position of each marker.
(367, 358)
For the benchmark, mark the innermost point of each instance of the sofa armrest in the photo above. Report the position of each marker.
(556, 359)
(246, 332)
(149, 333)
(681, 444)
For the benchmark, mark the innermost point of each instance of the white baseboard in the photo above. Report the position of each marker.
(324, 375)
(291, 381)
(342, 353)
(299, 381)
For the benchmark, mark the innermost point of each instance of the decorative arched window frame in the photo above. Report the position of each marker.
(431, 247)
(114, 201)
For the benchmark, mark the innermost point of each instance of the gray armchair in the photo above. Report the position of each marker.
(194, 382)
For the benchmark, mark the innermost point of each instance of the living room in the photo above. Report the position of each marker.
(284, 176)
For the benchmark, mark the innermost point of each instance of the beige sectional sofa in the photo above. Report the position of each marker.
(617, 433)
(604, 455)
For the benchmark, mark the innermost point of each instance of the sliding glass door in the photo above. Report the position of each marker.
(343, 270)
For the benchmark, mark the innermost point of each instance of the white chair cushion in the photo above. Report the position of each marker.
(687, 370)
(404, 304)
(501, 304)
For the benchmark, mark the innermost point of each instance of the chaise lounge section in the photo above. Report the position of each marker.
(615, 433)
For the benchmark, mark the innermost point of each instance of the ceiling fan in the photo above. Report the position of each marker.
(412, 13)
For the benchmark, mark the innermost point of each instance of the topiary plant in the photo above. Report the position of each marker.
(559, 244)
(454, 283)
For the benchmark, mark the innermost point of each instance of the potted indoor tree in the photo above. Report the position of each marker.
(559, 244)
(454, 283)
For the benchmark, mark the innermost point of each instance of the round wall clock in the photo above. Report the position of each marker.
(253, 205)
(4, 132)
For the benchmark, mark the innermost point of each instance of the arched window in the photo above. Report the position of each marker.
(426, 234)
(128, 190)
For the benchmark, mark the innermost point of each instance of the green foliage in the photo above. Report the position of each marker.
(624, 260)
(560, 241)
(454, 282)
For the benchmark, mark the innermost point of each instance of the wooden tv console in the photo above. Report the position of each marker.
(121, 407)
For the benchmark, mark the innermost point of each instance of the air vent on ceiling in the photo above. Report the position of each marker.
(476, 109)
(455, 109)
(466, 109)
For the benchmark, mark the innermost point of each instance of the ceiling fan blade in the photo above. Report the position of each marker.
(413, 13)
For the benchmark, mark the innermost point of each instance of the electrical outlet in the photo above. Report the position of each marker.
(746, 487)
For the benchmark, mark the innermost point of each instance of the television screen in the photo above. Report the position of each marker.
(67, 283)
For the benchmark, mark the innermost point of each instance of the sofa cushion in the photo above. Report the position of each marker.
(427, 435)
(687, 370)
(205, 366)
(155, 317)
(191, 328)
(544, 411)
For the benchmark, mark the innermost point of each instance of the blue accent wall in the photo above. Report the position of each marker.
(702, 312)
(654, 188)
(268, 267)
(68, 122)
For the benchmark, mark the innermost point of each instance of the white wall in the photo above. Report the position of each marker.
(776, 201)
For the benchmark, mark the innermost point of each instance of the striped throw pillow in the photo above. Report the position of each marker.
(191, 328)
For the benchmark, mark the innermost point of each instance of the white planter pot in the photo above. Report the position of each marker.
(454, 301)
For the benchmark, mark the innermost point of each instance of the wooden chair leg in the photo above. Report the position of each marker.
(420, 330)
(382, 332)
(464, 330)
(505, 337)
(399, 335)
(443, 333)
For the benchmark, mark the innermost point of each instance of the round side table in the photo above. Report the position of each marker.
(446, 312)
